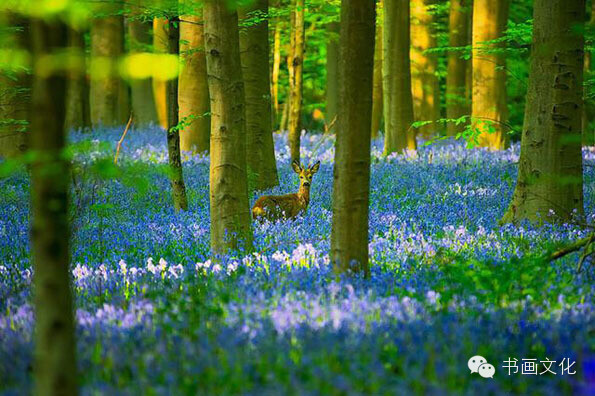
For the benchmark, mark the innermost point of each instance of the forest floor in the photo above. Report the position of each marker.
(156, 317)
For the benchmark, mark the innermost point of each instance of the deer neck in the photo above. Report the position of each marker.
(304, 195)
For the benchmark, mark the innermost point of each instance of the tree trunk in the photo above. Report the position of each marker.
(424, 82)
(550, 179)
(173, 134)
(141, 91)
(488, 105)
(107, 41)
(396, 72)
(160, 37)
(276, 68)
(296, 68)
(377, 90)
(55, 368)
(230, 207)
(14, 95)
(588, 134)
(77, 92)
(194, 90)
(457, 101)
(332, 71)
(349, 235)
(254, 50)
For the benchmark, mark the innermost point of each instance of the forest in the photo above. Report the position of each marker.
(297, 197)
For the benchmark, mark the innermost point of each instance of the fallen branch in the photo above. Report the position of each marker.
(578, 245)
(122, 139)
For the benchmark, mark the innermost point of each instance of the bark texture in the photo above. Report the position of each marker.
(141, 91)
(377, 84)
(488, 105)
(457, 101)
(55, 368)
(15, 93)
(173, 134)
(349, 235)
(160, 37)
(230, 207)
(77, 92)
(194, 90)
(332, 71)
(254, 50)
(550, 174)
(296, 68)
(396, 71)
(108, 92)
(424, 81)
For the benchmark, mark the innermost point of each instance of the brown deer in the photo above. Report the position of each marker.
(288, 206)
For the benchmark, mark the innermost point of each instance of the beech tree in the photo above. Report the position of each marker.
(488, 109)
(55, 368)
(377, 90)
(396, 74)
(229, 205)
(550, 179)
(349, 235)
(296, 66)
(457, 102)
(254, 50)
(176, 175)
(332, 71)
(77, 90)
(160, 43)
(424, 66)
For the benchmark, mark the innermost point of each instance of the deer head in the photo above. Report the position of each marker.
(305, 174)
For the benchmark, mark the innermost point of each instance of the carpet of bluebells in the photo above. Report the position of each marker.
(155, 316)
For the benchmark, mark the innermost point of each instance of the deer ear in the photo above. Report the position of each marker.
(296, 166)
(314, 168)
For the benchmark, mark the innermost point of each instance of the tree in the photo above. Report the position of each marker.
(276, 66)
(14, 90)
(254, 50)
(332, 71)
(160, 37)
(457, 102)
(550, 179)
(140, 40)
(296, 67)
(349, 235)
(488, 105)
(108, 94)
(77, 91)
(377, 90)
(194, 90)
(424, 66)
(396, 76)
(55, 367)
(229, 204)
(173, 134)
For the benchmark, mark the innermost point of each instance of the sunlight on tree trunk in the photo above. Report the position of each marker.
(488, 105)
(276, 68)
(173, 134)
(106, 91)
(550, 179)
(254, 50)
(351, 188)
(396, 76)
(231, 226)
(377, 84)
(55, 368)
(424, 82)
(143, 101)
(332, 71)
(14, 92)
(296, 62)
(194, 90)
(457, 101)
(159, 90)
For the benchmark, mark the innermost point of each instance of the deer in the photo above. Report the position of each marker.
(288, 206)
